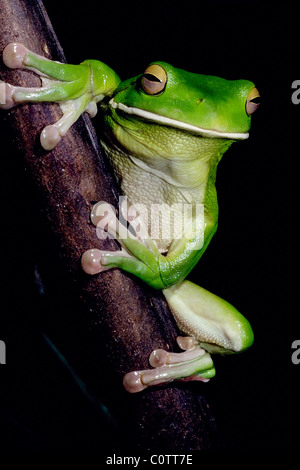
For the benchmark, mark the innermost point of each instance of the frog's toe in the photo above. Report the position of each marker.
(50, 137)
(14, 55)
(91, 261)
(53, 133)
(160, 357)
(103, 216)
(95, 261)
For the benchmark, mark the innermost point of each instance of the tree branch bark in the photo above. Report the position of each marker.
(129, 319)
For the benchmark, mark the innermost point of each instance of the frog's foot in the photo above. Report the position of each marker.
(52, 134)
(71, 86)
(138, 254)
(193, 364)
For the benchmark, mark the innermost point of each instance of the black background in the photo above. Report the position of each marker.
(252, 261)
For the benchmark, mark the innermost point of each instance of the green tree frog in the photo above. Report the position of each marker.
(165, 132)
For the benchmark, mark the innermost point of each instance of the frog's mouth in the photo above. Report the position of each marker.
(178, 124)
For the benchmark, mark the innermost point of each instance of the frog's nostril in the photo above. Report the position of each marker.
(253, 101)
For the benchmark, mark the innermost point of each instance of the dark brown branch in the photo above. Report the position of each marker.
(129, 319)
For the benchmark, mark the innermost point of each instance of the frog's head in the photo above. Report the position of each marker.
(174, 114)
(200, 104)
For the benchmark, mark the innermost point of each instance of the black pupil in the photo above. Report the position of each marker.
(151, 78)
(256, 100)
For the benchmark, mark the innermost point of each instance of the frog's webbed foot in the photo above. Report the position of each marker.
(71, 86)
(192, 364)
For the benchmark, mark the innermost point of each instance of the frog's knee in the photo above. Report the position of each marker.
(14, 55)
(239, 337)
(247, 337)
(242, 337)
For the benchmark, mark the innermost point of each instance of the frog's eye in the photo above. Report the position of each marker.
(253, 101)
(154, 79)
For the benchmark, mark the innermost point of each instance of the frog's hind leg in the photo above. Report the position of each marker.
(214, 326)
(68, 85)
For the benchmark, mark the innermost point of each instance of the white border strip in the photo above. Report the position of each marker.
(179, 124)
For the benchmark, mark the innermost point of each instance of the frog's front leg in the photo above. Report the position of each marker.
(77, 88)
(138, 254)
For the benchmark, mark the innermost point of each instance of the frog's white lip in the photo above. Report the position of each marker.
(179, 124)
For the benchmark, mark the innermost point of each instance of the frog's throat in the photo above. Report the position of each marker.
(178, 124)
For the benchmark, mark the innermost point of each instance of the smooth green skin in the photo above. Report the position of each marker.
(202, 100)
(186, 159)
